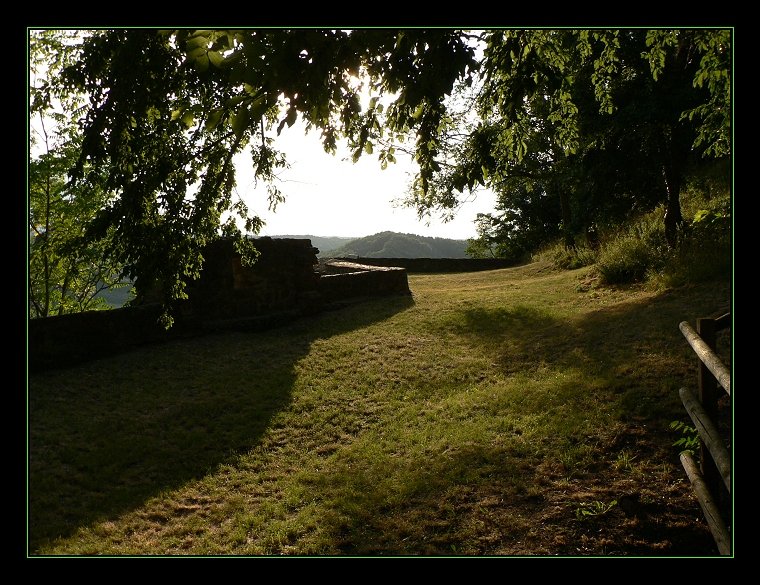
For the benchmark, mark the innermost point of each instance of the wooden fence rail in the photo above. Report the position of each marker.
(714, 471)
(708, 357)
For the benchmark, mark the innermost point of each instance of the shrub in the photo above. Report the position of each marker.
(636, 251)
(704, 252)
(577, 257)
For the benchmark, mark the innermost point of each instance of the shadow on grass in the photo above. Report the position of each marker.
(483, 501)
(108, 435)
(635, 345)
(481, 494)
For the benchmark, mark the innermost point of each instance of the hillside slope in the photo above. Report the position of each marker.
(396, 245)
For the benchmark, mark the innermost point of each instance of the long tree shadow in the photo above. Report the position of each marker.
(480, 500)
(108, 435)
(635, 344)
(638, 358)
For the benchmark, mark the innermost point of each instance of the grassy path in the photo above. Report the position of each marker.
(481, 417)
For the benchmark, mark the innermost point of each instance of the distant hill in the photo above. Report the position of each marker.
(322, 242)
(395, 245)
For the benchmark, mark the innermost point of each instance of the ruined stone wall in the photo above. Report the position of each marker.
(344, 280)
(63, 340)
(282, 285)
(284, 277)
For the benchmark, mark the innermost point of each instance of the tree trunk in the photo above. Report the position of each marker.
(673, 219)
(567, 233)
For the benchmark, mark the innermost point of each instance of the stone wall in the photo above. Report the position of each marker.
(434, 264)
(285, 277)
(342, 280)
(282, 285)
(69, 339)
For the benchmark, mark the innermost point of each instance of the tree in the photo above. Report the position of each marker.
(600, 122)
(169, 110)
(65, 272)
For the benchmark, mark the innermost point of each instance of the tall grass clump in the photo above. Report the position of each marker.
(567, 258)
(636, 251)
(639, 251)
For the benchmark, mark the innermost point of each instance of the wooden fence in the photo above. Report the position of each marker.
(711, 479)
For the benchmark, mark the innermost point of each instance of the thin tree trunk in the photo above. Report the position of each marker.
(64, 291)
(46, 240)
(671, 171)
(677, 146)
(567, 233)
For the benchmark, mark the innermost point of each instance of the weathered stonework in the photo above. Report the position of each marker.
(283, 284)
(284, 277)
(349, 279)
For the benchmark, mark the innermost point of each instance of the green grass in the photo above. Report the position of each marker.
(475, 418)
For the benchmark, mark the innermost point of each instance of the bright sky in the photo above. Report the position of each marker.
(329, 196)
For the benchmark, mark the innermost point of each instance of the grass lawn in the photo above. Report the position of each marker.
(493, 413)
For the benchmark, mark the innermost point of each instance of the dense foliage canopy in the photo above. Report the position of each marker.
(568, 126)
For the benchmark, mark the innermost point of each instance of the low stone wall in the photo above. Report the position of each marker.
(69, 339)
(282, 285)
(343, 280)
(434, 264)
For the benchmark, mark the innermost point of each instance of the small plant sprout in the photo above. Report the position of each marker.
(624, 460)
(592, 509)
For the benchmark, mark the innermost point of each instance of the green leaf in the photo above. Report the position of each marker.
(188, 119)
(213, 119)
(197, 41)
(196, 53)
(291, 117)
(235, 100)
(216, 59)
(258, 107)
(239, 121)
(201, 64)
(177, 113)
(368, 147)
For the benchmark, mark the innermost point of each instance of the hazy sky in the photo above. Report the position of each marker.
(328, 196)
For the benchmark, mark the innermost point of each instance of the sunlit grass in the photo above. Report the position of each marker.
(443, 425)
